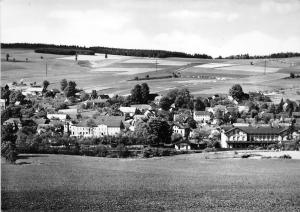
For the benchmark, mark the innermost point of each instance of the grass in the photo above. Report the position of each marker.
(179, 183)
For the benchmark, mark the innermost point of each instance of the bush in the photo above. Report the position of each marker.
(285, 156)
(147, 153)
(101, 151)
(122, 151)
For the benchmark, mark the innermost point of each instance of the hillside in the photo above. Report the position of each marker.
(112, 74)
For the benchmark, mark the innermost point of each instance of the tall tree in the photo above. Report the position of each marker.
(165, 103)
(159, 131)
(63, 84)
(236, 92)
(45, 85)
(16, 96)
(145, 92)
(136, 94)
(94, 94)
(70, 90)
(279, 107)
(7, 57)
(199, 104)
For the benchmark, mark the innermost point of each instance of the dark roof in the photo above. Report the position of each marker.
(40, 121)
(261, 130)
(110, 121)
(202, 113)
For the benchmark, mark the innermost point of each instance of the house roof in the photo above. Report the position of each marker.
(110, 121)
(128, 109)
(202, 113)
(260, 130)
(142, 106)
(40, 121)
(34, 89)
(68, 111)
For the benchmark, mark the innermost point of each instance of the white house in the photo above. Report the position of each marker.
(201, 116)
(243, 108)
(35, 91)
(61, 117)
(157, 99)
(182, 146)
(179, 129)
(103, 125)
(128, 111)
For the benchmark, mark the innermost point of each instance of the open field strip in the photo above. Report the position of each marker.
(249, 68)
(159, 61)
(214, 65)
(76, 183)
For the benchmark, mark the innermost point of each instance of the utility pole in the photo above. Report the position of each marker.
(156, 65)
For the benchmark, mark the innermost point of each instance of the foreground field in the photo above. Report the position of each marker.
(180, 183)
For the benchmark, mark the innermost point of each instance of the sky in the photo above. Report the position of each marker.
(214, 27)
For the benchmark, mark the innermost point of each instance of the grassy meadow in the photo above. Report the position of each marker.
(179, 183)
(112, 74)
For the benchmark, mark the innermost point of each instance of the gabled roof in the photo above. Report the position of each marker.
(202, 113)
(260, 130)
(128, 109)
(110, 121)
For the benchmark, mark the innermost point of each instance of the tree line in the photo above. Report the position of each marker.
(73, 49)
(274, 55)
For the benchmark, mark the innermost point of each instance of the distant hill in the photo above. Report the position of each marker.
(274, 55)
(72, 50)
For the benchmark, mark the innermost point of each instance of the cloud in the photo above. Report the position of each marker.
(186, 15)
(280, 6)
(256, 42)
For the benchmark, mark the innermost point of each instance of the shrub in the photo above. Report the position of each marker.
(285, 156)
(122, 151)
(147, 153)
(101, 151)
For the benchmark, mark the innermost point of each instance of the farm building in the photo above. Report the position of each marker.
(240, 137)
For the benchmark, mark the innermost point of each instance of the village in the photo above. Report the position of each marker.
(72, 121)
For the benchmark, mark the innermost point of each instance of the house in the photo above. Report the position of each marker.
(103, 125)
(2, 104)
(128, 111)
(61, 117)
(42, 128)
(243, 108)
(180, 129)
(201, 116)
(142, 107)
(72, 113)
(157, 99)
(183, 146)
(241, 137)
(98, 102)
(35, 91)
